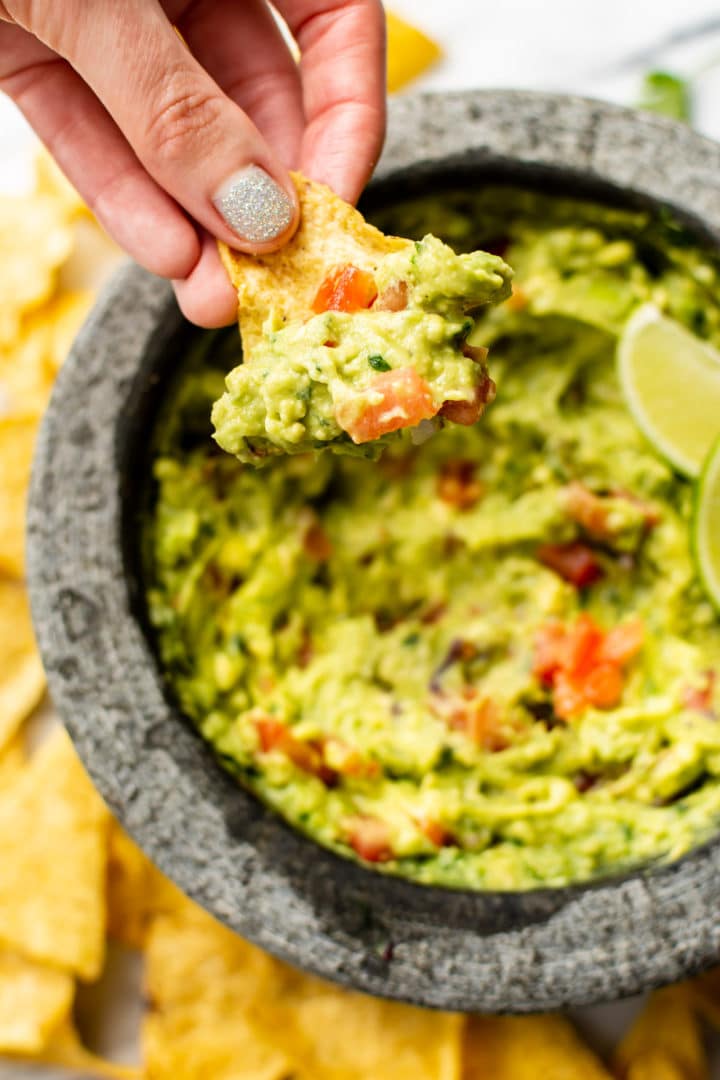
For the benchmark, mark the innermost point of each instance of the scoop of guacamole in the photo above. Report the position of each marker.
(481, 662)
(383, 352)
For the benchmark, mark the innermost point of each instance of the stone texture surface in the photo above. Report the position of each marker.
(462, 951)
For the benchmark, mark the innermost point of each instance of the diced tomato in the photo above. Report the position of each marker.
(370, 839)
(348, 761)
(469, 412)
(568, 697)
(271, 733)
(457, 484)
(603, 686)
(587, 509)
(623, 642)
(583, 663)
(436, 833)
(700, 698)
(404, 399)
(316, 542)
(275, 735)
(483, 725)
(394, 298)
(550, 651)
(575, 562)
(583, 644)
(345, 289)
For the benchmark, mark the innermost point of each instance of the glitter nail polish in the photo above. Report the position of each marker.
(254, 205)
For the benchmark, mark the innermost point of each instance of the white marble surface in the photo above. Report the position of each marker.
(597, 48)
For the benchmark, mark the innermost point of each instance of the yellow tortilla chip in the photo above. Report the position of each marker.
(52, 885)
(26, 375)
(200, 981)
(340, 1035)
(22, 679)
(136, 891)
(12, 762)
(705, 991)
(410, 52)
(665, 1042)
(65, 316)
(128, 890)
(527, 1048)
(34, 1000)
(65, 1050)
(331, 233)
(29, 364)
(35, 240)
(17, 441)
(200, 975)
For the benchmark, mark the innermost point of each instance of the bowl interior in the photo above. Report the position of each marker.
(166, 363)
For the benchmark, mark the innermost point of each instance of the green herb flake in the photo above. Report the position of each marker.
(667, 94)
(379, 363)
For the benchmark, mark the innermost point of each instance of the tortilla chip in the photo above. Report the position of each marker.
(65, 1050)
(223, 1008)
(52, 885)
(527, 1048)
(13, 760)
(34, 1000)
(665, 1042)
(201, 979)
(410, 52)
(66, 315)
(128, 890)
(17, 442)
(136, 891)
(29, 365)
(705, 991)
(22, 679)
(331, 233)
(26, 375)
(341, 1035)
(35, 240)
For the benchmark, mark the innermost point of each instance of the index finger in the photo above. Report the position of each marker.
(342, 46)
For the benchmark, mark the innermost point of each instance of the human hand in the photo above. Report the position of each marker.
(172, 145)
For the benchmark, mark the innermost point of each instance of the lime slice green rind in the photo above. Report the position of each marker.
(706, 525)
(671, 383)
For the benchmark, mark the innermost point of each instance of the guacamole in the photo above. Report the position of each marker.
(481, 662)
(383, 351)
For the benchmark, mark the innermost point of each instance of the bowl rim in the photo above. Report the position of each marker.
(451, 949)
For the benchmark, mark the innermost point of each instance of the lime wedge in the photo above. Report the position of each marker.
(671, 383)
(706, 525)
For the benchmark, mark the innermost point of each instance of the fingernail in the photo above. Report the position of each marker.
(254, 205)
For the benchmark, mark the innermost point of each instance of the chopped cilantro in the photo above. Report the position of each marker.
(667, 94)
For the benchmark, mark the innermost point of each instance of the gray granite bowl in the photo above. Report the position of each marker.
(455, 950)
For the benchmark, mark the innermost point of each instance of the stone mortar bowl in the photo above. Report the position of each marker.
(435, 947)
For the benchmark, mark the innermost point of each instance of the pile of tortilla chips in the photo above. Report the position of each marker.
(217, 1007)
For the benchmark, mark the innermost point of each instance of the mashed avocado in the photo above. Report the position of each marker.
(347, 379)
(481, 662)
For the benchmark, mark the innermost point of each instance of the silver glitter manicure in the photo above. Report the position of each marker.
(254, 206)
